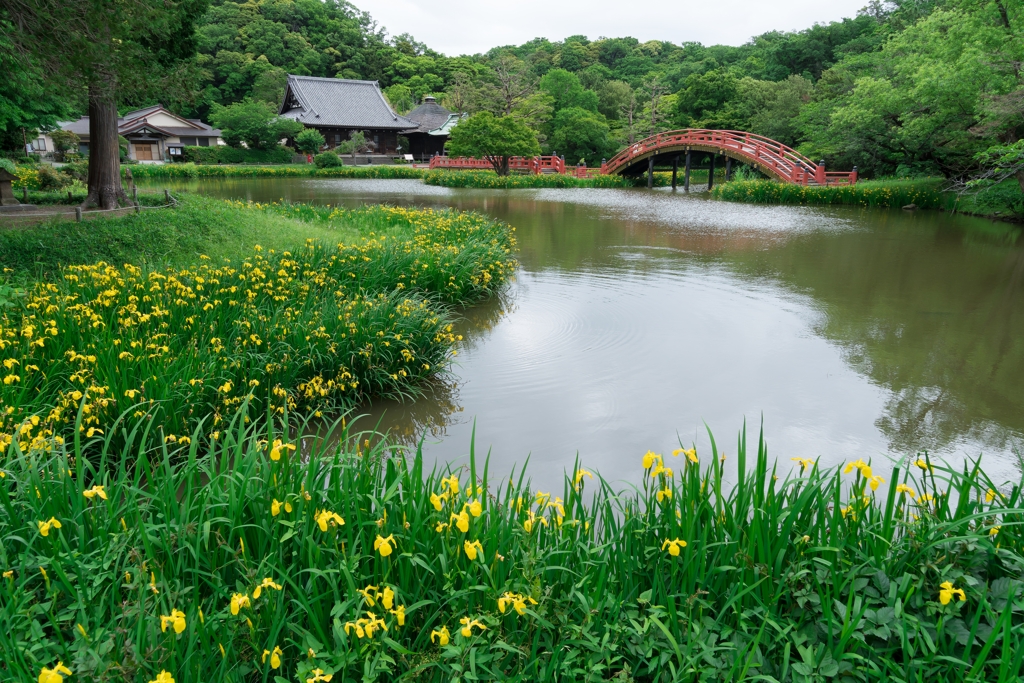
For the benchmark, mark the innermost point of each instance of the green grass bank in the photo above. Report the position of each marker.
(254, 557)
(926, 194)
(189, 170)
(1002, 201)
(348, 305)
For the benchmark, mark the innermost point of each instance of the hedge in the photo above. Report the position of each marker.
(221, 154)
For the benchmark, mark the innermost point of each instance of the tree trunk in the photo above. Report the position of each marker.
(1020, 179)
(500, 165)
(105, 190)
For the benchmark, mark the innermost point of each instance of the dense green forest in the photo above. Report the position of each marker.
(905, 88)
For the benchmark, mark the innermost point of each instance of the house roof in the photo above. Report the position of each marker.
(429, 115)
(135, 120)
(340, 103)
(446, 127)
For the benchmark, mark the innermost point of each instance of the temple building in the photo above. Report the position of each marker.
(338, 108)
(435, 124)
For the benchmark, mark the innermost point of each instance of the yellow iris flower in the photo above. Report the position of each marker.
(266, 583)
(904, 489)
(44, 527)
(95, 491)
(516, 600)
(326, 517)
(674, 546)
(947, 592)
(176, 619)
(238, 601)
(461, 520)
(805, 463)
(665, 493)
(442, 636)
(54, 675)
(577, 479)
(690, 453)
(472, 549)
(280, 447)
(163, 677)
(275, 657)
(650, 458)
(384, 545)
(467, 626)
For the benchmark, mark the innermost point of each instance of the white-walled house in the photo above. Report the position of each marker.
(154, 134)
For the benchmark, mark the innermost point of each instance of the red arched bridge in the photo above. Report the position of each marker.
(770, 157)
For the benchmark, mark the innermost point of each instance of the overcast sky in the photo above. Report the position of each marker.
(457, 27)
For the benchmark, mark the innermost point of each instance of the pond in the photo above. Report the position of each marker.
(638, 317)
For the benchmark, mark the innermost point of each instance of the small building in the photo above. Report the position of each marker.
(435, 124)
(339, 107)
(154, 134)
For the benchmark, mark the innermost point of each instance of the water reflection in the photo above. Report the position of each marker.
(638, 316)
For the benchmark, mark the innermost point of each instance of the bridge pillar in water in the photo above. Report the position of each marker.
(728, 169)
(675, 170)
(711, 174)
(686, 173)
(650, 172)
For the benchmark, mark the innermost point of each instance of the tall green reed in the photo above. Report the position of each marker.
(774, 582)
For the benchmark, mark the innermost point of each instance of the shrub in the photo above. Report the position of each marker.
(51, 179)
(221, 154)
(309, 141)
(77, 170)
(7, 165)
(327, 160)
(64, 141)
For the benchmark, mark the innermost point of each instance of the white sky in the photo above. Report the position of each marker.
(457, 27)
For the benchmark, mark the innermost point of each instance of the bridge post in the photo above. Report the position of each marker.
(819, 173)
(650, 172)
(728, 169)
(686, 173)
(711, 174)
(675, 170)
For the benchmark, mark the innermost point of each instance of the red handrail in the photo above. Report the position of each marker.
(771, 156)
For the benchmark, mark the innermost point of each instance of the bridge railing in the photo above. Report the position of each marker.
(534, 165)
(782, 160)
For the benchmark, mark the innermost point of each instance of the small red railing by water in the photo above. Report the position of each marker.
(520, 164)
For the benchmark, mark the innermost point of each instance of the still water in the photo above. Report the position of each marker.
(638, 317)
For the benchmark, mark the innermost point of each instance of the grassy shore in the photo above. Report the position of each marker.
(320, 324)
(926, 194)
(144, 171)
(259, 557)
(492, 181)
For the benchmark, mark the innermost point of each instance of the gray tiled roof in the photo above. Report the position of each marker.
(340, 103)
(430, 115)
(134, 119)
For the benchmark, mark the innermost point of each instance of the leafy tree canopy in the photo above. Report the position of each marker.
(495, 138)
(254, 123)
